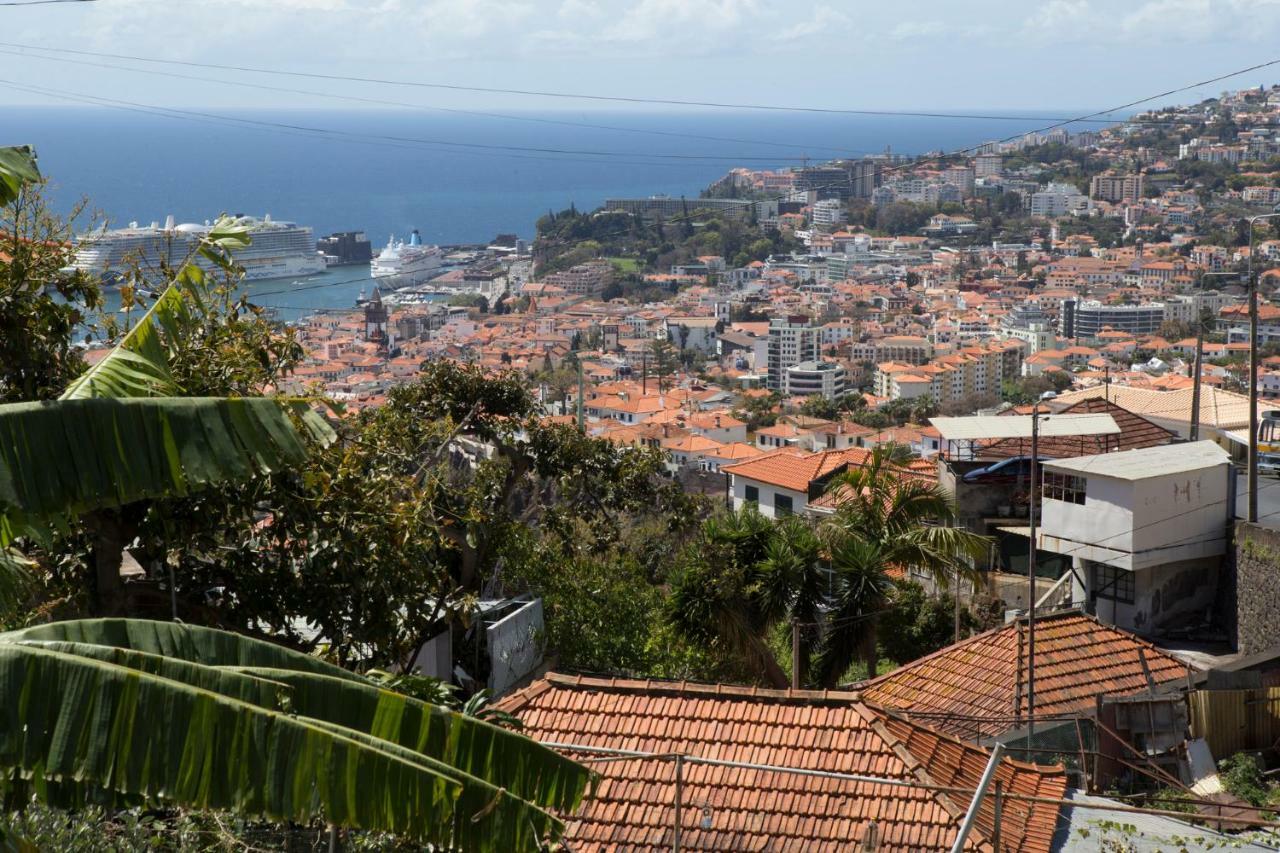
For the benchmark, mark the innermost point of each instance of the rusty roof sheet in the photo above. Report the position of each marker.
(1135, 431)
(976, 687)
(752, 809)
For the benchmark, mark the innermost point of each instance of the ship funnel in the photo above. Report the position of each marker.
(415, 239)
(168, 222)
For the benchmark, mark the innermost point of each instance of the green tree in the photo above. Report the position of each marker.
(915, 623)
(41, 300)
(664, 360)
(883, 521)
(744, 576)
(477, 301)
(818, 406)
(758, 411)
(134, 440)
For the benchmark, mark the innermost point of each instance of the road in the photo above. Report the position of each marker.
(1268, 498)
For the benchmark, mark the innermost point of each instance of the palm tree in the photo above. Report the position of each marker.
(743, 577)
(885, 519)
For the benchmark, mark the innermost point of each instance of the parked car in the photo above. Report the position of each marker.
(1009, 470)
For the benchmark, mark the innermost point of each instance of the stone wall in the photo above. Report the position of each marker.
(1257, 588)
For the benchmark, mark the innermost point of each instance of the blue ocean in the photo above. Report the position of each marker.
(456, 178)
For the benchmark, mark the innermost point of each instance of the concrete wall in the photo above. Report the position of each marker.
(1105, 518)
(1148, 523)
(1181, 508)
(1257, 582)
(1167, 595)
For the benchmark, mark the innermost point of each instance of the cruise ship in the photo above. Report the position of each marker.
(407, 263)
(276, 250)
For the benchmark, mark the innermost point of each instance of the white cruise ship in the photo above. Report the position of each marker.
(407, 263)
(276, 250)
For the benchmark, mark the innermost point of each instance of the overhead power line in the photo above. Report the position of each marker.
(42, 2)
(537, 93)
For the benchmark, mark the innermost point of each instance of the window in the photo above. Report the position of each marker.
(1112, 583)
(1064, 487)
(752, 494)
(782, 505)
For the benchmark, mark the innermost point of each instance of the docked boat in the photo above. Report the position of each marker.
(276, 249)
(407, 263)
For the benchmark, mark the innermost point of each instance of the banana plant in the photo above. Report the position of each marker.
(128, 712)
(122, 431)
(134, 712)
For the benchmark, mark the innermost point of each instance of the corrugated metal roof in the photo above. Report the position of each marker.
(1019, 426)
(1145, 462)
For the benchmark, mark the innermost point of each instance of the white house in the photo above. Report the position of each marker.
(1146, 530)
(697, 333)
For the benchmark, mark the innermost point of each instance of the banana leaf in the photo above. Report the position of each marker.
(475, 747)
(176, 641)
(309, 687)
(139, 365)
(17, 167)
(72, 720)
(59, 459)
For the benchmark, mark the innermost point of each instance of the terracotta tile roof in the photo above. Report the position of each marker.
(754, 809)
(1135, 432)
(975, 687)
(796, 471)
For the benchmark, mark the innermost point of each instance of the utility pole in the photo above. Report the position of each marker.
(1199, 364)
(1253, 374)
(1031, 568)
(795, 654)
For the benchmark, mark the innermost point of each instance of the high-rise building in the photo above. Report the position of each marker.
(865, 177)
(1117, 188)
(1085, 320)
(986, 165)
(1058, 200)
(792, 340)
(960, 177)
(828, 213)
(826, 181)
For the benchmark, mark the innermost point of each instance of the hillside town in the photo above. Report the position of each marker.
(899, 503)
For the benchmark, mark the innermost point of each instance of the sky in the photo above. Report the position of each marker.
(909, 54)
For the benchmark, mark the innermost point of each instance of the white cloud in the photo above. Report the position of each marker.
(823, 20)
(679, 20)
(916, 29)
(571, 10)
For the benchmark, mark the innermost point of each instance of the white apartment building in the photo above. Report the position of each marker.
(791, 340)
(829, 213)
(1058, 200)
(808, 378)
